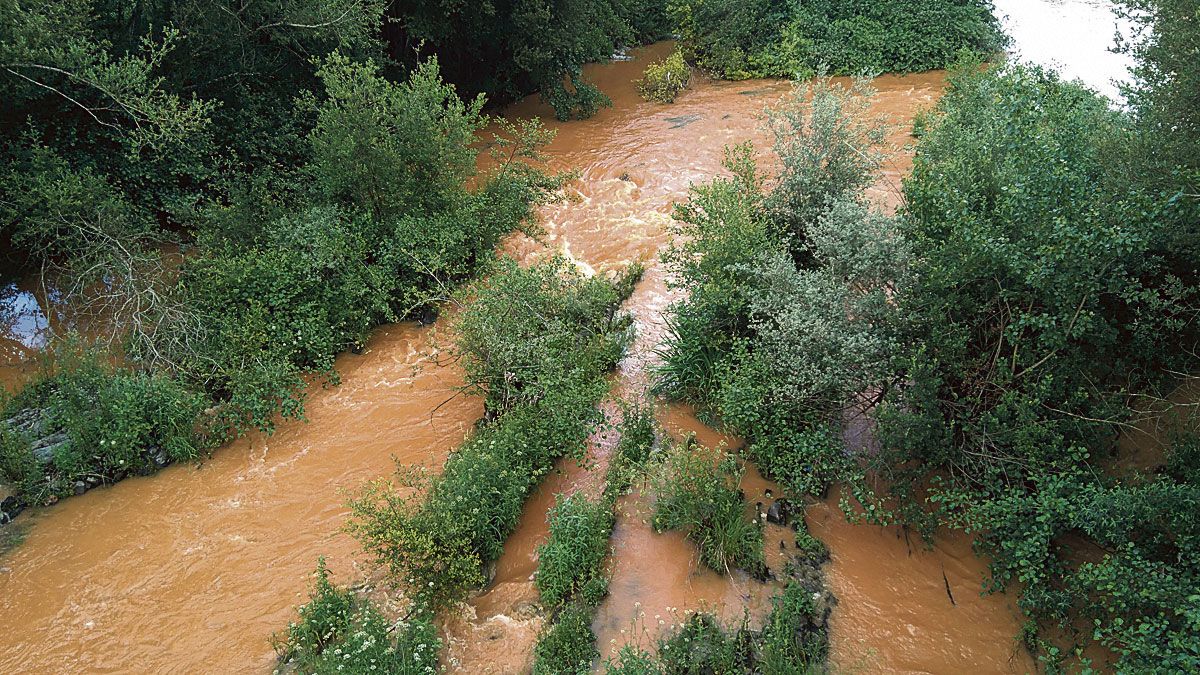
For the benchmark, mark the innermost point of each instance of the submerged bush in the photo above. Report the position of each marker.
(339, 632)
(568, 645)
(571, 562)
(794, 641)
(696, 490)
(663, 80)
(788, 319)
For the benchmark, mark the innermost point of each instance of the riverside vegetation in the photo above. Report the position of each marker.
(537, 344)
(327, 133)
(1033, 300)
(1000, 333)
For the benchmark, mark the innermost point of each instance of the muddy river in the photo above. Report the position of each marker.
(192, 569)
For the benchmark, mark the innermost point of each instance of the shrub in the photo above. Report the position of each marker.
(338, 632)
(794, 639)
(696, 490)
(116, 421)
(663, 80)
(632, 661)
(1041, 306)
(521, 321)
(18, 466)
(629, 458)
(829, 147)
(568, 646)
(570, 563)
(720, 232)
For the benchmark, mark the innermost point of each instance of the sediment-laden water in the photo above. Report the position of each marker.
(191, 570)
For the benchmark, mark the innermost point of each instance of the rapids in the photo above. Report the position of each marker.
(192, 569)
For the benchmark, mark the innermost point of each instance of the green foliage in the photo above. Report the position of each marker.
(828, 143)
(568, 646)
(570, 574)
(702, 646)
(515, 47)
(632, 454)
(392, 228)
(390, 150)
(562, 333)
(779, 38)
(1165, 92)
(114, 419)
(794, 641)
(18, 466)
(632, 661)
(696, 490)
(663, 80)
(571, 562)
(719, 230)
(1039, 301)
(521, 321)
(106, 423)
(339, 632)
(789, 313)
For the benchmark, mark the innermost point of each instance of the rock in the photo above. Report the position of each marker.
(683, 120)
(159, 457)
(780, 512)
(93, 481)
(80, 487)
(10, 508)
(428, 315)
(43, 448)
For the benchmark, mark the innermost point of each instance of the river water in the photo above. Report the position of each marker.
(191, 570)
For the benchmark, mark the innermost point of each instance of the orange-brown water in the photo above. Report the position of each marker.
(192, 569)
(636, 159)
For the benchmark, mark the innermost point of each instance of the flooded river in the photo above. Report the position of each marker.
(192, 569)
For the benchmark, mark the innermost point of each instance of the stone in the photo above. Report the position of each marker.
(780, 512)
(159, 457)
(80, 487)
(683, 120)
(428, 315)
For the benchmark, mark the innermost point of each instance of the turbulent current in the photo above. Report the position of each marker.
(192, 569)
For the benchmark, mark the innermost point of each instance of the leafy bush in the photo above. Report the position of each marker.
(789, 315)
(561, 332)
(663, 80)
(521, 321)
(570, 563)
(702, 646)
(720, 231)
(778, 38)
(111, 421)
(568, 646)
(1041, 309)
(632, 454)
(18, 466)
(393, 228)
(696, 490)
(338, 632)
(794, 641)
